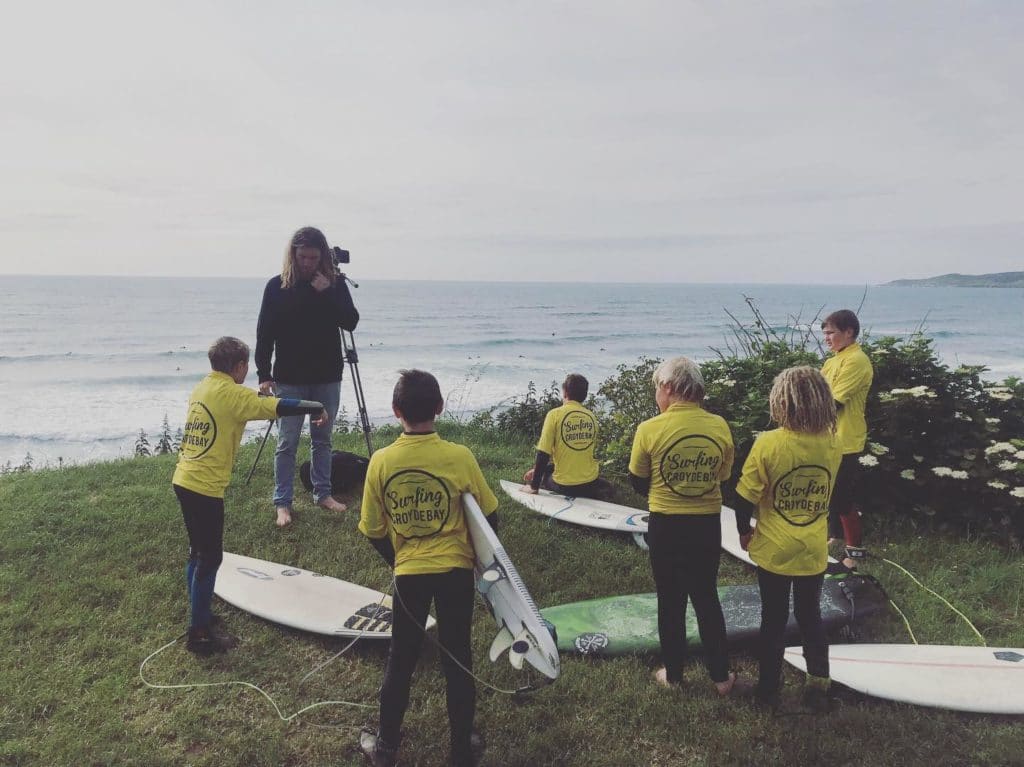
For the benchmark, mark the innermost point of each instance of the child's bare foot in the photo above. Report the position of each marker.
(284, 516)
(661, 677)
(331, 505)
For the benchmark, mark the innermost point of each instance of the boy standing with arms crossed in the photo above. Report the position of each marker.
(218, 410)
(412, 513)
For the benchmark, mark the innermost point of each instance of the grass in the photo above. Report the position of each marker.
(92, 582)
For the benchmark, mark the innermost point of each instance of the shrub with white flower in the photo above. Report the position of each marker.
(1007, 465)
(959, 474)
(942, 471)
(993, 421)
(1019, 454)
(877, 449)
(867, 460)
(1017, 492)
(1001, 393)
(1000, 447)
(908, 474)
(728, 382)
(996, 484)
(914, 391)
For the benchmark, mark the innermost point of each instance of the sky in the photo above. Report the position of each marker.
(808, 142)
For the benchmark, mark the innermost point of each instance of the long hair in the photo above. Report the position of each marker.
(311, 237)
(801, 400)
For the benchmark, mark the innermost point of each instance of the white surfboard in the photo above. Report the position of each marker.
(583, 511)
(988, 680)
(731, 538)
(522, 631)
(304, 600)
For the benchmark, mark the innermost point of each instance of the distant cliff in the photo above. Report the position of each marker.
(998, 280)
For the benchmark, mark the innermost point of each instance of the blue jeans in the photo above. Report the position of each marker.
(288, 430)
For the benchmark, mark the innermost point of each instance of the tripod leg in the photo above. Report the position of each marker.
(259, 452)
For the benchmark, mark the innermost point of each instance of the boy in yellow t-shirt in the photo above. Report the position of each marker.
(849, 375)
(786, 484)
(567, 440)
(218, 410)
(412, 513)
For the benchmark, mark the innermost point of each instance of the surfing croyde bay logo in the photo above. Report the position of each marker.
(418, 503)
(801, 496)
(200, 431)
(578, 430)
(690, 466)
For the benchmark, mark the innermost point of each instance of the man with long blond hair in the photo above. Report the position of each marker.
(302, 311)
(787, 483)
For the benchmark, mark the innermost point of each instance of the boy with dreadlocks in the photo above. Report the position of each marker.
(786, 484)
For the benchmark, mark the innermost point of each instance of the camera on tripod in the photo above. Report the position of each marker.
(339, 257)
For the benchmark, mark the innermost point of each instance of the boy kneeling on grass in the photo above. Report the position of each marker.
(218, 410)
(413, 515)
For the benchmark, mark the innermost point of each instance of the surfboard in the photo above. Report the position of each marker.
(583, 511)
(304, 600)
(629, 624)
(731, 538)
(986, 680)
(522, 630)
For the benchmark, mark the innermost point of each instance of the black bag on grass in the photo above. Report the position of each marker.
(347, 471)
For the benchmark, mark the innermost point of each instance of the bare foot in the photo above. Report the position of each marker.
(332, 505)
(724, 688)
(284, 516)
(661, 677)
(528, 476)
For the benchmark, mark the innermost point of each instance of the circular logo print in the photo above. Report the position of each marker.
(287, 573)
(801, 496)
(200, 431)
(579, 430)
(690, 466)
(591, 644)
(418, 503)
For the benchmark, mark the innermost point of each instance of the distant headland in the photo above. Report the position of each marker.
(997, 280)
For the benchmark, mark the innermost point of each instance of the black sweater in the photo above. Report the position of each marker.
(299, 328)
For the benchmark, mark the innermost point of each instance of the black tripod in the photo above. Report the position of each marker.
(349, 355)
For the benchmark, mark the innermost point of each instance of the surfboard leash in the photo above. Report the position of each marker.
(251, 686)
(937, 596)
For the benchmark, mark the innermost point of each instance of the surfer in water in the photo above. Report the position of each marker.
(565, 461)
(679, 459)
(849, 374)
(412, 513)
(786, 484)
(218, 410)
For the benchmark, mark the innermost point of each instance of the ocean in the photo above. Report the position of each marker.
(86, 362)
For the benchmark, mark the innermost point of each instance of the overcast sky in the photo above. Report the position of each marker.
(849, 142)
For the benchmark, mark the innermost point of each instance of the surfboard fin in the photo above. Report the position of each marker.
(517, 652)
(502, 641)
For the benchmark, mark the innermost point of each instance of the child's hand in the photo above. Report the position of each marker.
(267, 388)
(321, 419)
(745, 540)
(319, 282)
(528, 489)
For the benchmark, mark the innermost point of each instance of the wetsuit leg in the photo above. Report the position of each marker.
(413, 594)
(843, 519)
(453, 597)
(774, 617)
(807, 608)
(666, 566)
(703, 553)
(204, 521)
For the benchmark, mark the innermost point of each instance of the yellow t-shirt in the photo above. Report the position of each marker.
(569, 436)
(218, 410)
(849, 375)
(413, 493)
(687, 452)
(789, 477)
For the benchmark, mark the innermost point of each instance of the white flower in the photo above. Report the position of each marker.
(997, 484)
(868, 460)
(915, 391)
(727, 382)
(991, 420)
(1017, 492)
(942, 471)
(1007, 465)
(1000, 395)
(908, 474)
(919, 458)
(961, 417)
(958, 474)
(1019, 454)
(877, 449)
(880, 351)
(1000, 447)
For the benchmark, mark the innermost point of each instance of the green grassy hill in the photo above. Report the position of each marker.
(92, 582)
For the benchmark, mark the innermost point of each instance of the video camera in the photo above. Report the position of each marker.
(339, 257)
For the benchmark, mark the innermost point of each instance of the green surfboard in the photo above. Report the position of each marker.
(629, 624)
